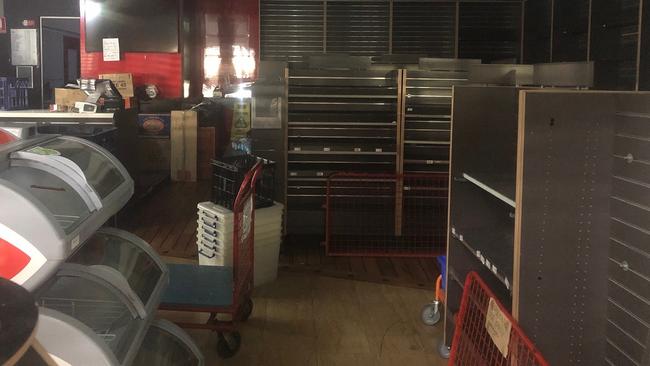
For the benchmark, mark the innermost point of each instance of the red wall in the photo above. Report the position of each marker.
(165, 69)
(162, 69)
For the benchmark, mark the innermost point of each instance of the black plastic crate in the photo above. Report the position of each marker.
(229, 173)
(13, 93)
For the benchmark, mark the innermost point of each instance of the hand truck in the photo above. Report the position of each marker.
(223, 292)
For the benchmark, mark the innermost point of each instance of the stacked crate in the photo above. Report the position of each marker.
(215, 238)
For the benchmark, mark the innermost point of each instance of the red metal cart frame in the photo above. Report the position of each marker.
(475, 345)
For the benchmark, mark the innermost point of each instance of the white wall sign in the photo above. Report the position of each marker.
(111, 49)
(24, 48)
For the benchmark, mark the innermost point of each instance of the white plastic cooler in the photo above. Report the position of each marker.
(215, 236)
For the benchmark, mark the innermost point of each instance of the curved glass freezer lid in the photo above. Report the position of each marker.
(97, 168)
(70, 342)
(145, 273)
(167, 344)
(94, 296)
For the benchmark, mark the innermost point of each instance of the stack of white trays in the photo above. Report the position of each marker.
(215, 234)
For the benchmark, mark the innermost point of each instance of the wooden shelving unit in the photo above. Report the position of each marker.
(549, 204)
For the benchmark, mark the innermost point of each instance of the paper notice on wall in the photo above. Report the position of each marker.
(111, 49)
(24, 50)
(498, 327)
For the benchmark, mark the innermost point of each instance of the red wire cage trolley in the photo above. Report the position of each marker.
(223, 292)
(486, 334)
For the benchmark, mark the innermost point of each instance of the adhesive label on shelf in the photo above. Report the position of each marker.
(453, 231)
(357, 149)
(320, 174)
(379, 150)
(430, 162)
(494, 269)
(487, 263)
(293, 174)
(297, 148)
(505, 280)
(327, 149)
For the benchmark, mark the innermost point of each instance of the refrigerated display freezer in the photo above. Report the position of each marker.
(55, 192)
(98, 289)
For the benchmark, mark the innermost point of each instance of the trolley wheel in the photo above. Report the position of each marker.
(443, 350)
(431, 314)
(228, 344)
(246, 309)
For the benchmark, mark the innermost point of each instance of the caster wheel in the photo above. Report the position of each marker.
(246, 309)
(228, 344)
(443, 350)
(431, 314)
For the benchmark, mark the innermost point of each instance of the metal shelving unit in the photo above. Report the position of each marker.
(338, 121)
(427, 116)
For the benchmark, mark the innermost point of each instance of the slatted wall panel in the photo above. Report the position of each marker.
(537, 31)
(490, 31)
(424, 28)
(359, 28)
(291, 29)
(570, 30)
(614, 43)
(628, 326)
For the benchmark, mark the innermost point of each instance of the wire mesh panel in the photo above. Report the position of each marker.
(486, 334)
(386, 214)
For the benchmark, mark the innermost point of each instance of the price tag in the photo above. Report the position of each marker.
(379, 150)
(494, 269)
(357, 149)
(430, 162)
(297, 148)
(293, 174)
(327, 149)
(320, 174)
(409, 109)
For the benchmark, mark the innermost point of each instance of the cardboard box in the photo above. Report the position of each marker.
(68, 97)
(154, 124)
(184, 146)
(123, 83)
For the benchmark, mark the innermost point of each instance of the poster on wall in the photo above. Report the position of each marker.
(241, 120)
(24, 49)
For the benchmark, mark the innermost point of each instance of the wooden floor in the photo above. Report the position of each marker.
(306, 319)
(167, 220)
(321, 311)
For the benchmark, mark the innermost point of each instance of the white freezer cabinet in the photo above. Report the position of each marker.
(55, 192)
(112, 284)
(71, 342)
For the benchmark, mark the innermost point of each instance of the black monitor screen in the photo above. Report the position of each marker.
(140, 25)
